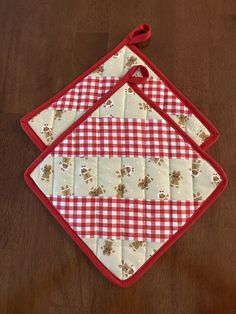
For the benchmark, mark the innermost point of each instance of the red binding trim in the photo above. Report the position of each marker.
(140, 34)
(140, 272)
(138, 79)
(214, 133)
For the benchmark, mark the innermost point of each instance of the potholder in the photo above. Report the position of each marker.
(47, 122)
(125, 181)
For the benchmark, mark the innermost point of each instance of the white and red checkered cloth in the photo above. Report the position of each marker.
(91, 89)
(124, 218)
(84, 94)
(126, 137)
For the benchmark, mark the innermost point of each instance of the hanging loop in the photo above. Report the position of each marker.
(140, 34)
(138, 79)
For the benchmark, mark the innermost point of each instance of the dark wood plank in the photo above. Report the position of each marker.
(45, 44)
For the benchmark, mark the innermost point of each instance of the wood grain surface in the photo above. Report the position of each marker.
(45, 44)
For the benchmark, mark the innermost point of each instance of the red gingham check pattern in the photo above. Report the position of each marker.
(91, 89)
(159, 93)
(113, 137)
(85, 93)
(126, 219)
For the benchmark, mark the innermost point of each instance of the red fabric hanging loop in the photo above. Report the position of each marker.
(132, 78)
(140, 34)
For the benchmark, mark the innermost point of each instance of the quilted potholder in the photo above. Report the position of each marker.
(125, 181)
(47, 122)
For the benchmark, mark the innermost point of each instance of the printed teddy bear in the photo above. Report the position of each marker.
(126, 170)
(196, 167)
(215, 179)
(107, 248)
(126, 269)
(202, 135)
(47, 170)
(131, 61)
(144, 183)
(163, 196)
(197, 196)
(47, 132)
(65, 163)
(108, 104)
(120, 190)
(144, 106)
(175, 178)
(136, 245)
(58, 114)
(97, 191)
(65, 190)
(85, 173)
(182, 121)
(158, 161)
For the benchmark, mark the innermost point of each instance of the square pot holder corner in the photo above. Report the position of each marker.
(125, 181)
(44, 124)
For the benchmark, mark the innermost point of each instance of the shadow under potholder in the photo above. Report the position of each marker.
(125, 186)
(52, 118)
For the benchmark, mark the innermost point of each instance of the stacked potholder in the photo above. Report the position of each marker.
(47, 122)
(121, 177)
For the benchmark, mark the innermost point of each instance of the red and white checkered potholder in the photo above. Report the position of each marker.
(47, 122)
(125, 181)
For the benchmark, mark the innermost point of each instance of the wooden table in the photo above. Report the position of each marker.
(44, 46)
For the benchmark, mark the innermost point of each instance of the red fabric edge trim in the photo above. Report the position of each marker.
(214, 134)
(140, 272)
(24, 121)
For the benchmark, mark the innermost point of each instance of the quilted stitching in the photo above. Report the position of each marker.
(85, 93)
(117, 235)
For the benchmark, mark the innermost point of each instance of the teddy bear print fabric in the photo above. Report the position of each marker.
(60, 114)
(125, 181)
